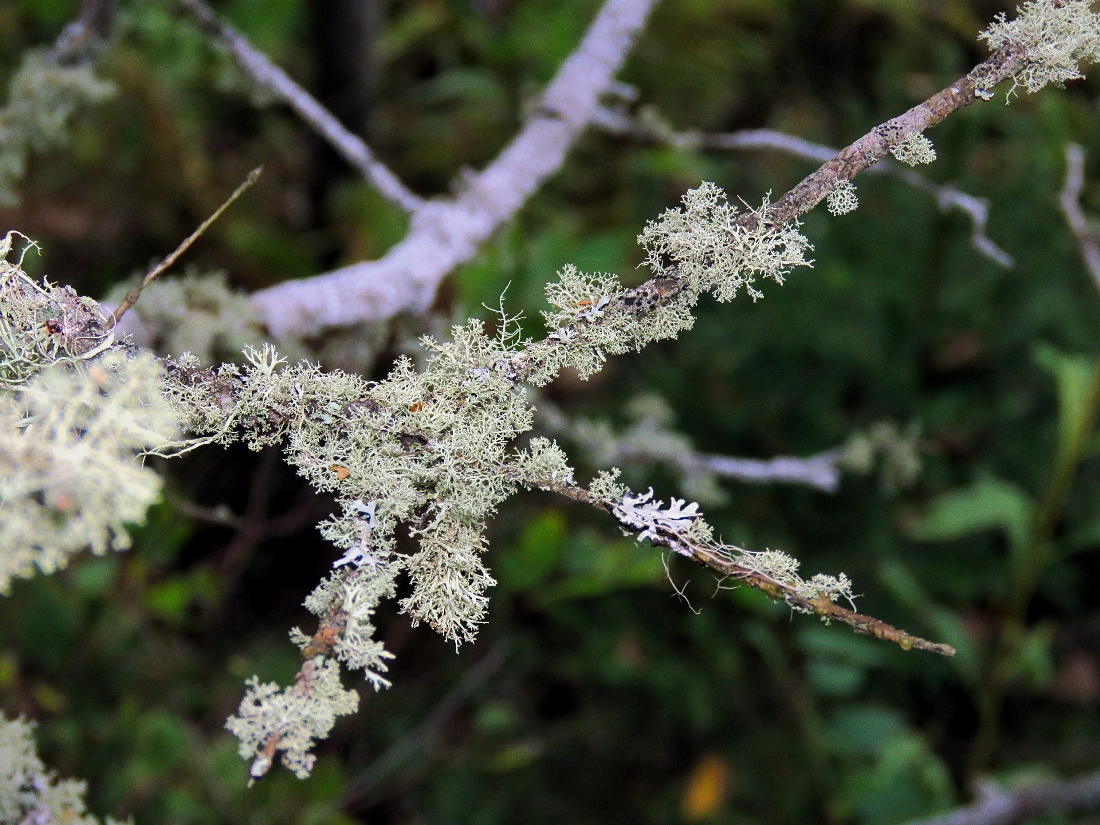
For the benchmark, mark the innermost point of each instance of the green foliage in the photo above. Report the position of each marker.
(43, 98)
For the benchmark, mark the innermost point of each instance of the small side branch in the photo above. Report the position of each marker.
(724, 559)
(1071, 208)
(274, 80)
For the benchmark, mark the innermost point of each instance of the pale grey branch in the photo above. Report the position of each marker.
(1071, 208)
(447, 233)
(274, 80)
(997, 806)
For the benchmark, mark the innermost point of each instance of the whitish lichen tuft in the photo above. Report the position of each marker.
(269, 720)
(31, 794)
(69, 478)
(914, 149)
(43, 97)
(1053, 36)
(704, 245)
(842, 199)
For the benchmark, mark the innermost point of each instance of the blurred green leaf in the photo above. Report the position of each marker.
(1074, 376)
(540, 549)
(987, 504)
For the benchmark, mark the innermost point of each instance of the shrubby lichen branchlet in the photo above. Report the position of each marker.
(269, 720)
(68, 478)
(706, 246)
(1054, 37)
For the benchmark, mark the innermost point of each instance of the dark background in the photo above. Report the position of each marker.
(594, 694)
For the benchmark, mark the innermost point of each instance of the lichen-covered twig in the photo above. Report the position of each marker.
(679, 534)
(618, 121)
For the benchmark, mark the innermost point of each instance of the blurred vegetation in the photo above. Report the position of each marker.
(594, 694)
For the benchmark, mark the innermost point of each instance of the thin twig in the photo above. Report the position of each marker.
(1071, 208)
(273, 79)
(135, 293)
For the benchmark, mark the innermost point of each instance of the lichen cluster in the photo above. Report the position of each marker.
(74, 413)
(43, 97)
(1053, 36)
(29, 792)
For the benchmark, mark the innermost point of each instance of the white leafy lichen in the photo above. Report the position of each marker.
(651, 519)
(1054, 37)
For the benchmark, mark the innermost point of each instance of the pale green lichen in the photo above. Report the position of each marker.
(269, 720)
(30, 794)
(42, 324)
(704, 245)
(43, 98)
(842, 198)
(914, 149)
(1054, 37)
(69, 478)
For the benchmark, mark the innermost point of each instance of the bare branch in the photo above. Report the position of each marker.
(650, 441)
(818, 471)
(274, 80)
(447, 233)
(997, 806)
(947, 197)
(1071, 208)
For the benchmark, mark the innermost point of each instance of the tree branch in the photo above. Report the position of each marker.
(947, 197)
(274, 80)
(447, 233)
(1071, 208)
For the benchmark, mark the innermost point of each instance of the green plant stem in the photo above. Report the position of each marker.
(1026, 577)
